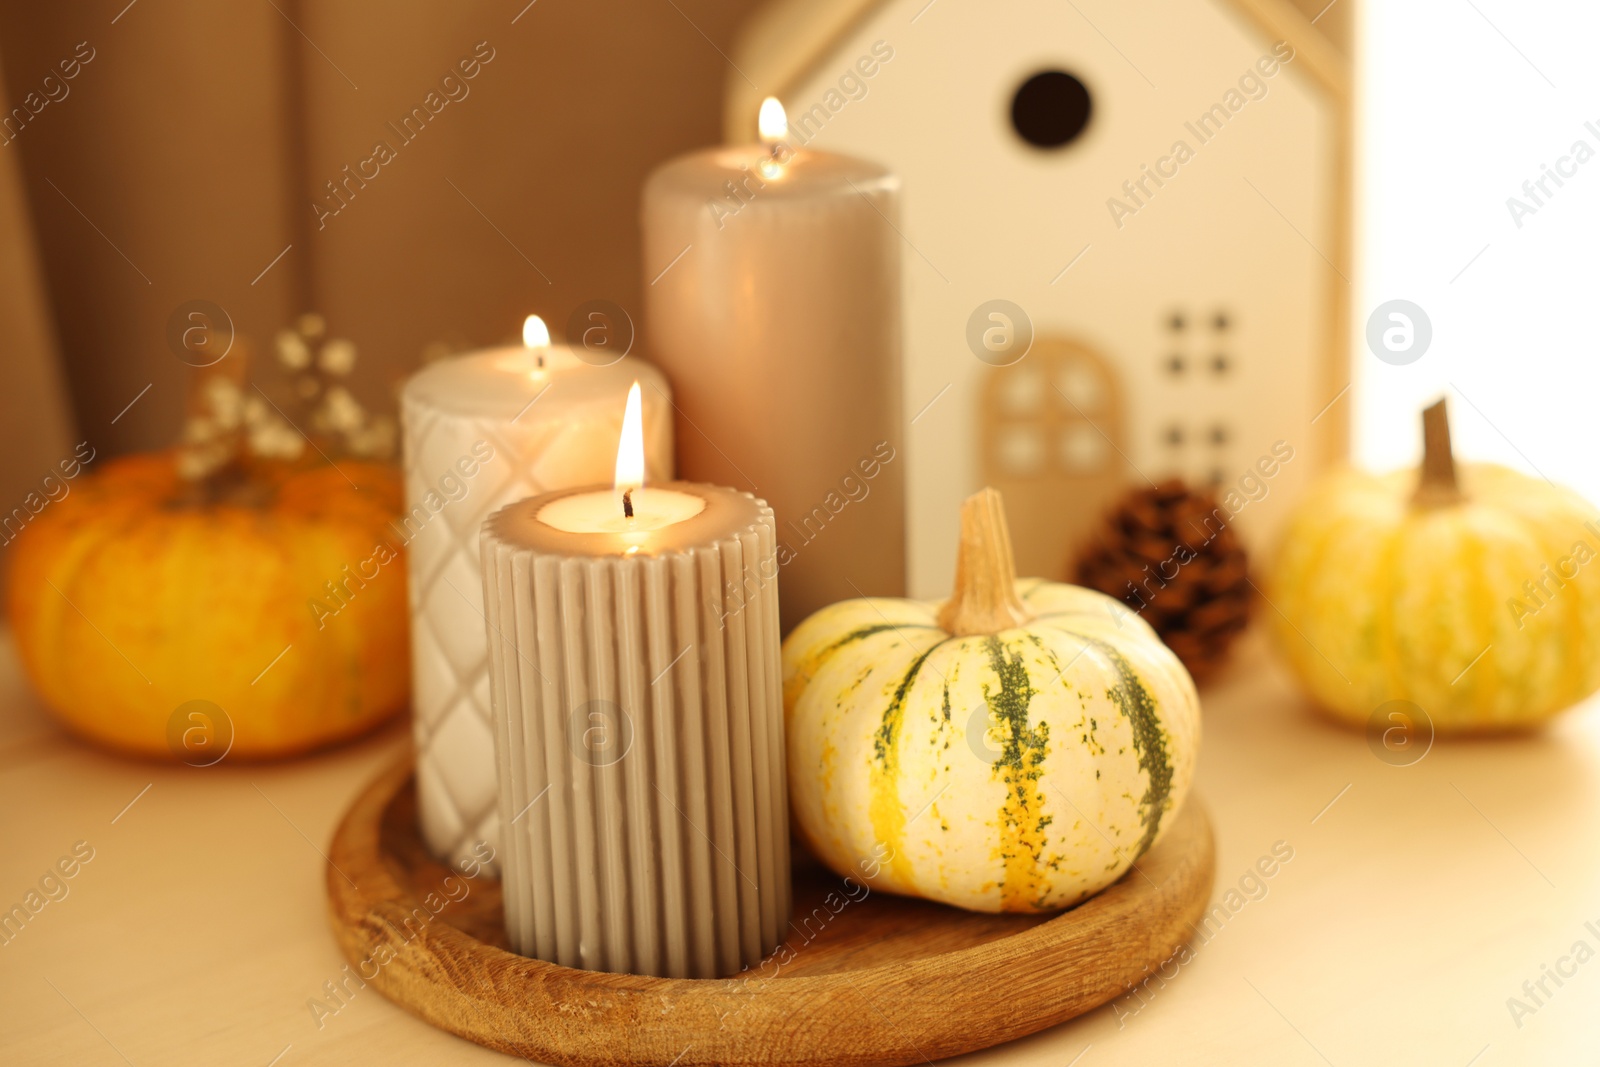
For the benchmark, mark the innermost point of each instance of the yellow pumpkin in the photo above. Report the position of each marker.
(1474, 596)
(130, 598)
(1016, 749)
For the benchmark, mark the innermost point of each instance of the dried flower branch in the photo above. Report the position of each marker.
(228, 423)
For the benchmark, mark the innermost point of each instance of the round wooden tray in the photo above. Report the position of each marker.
(884, 980)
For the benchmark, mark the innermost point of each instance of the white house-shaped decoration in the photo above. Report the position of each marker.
(1160, 187)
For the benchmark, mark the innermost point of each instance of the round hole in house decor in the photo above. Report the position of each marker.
(1051, 109)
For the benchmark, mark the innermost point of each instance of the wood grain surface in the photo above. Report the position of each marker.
(432, 941)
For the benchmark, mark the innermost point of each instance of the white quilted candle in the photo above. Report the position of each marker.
(481, 431)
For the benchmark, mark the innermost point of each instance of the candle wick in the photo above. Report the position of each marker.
(541, 361)
(772, 166)
(627, 503)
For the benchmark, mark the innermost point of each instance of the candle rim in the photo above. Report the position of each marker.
(806, 173)
(728, 514)
(453, 384)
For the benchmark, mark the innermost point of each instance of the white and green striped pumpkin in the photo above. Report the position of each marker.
(1015, 749)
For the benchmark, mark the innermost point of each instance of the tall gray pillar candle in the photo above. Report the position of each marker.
(773, 304)
(635, 682)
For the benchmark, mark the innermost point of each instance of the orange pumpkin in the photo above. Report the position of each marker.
(280, 600)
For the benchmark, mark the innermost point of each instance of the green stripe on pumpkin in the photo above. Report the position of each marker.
(808, 667)
(887, 814)
(1149, 741)
(1149, 738)
(1023, 884)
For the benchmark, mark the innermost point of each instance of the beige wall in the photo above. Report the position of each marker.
(194, 143)
(34, 421)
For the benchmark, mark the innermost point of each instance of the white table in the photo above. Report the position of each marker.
(1418, 900)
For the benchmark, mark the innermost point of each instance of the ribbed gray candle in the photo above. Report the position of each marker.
(635, 685)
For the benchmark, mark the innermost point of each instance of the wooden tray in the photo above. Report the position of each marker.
(886, 980)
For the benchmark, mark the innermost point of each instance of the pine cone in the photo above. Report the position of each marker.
(1169, 553)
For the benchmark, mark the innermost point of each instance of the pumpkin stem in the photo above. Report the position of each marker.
(985, 597)
(1438, 486)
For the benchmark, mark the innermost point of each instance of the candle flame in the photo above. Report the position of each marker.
(535, 334)
(630, 452)
(772, 122)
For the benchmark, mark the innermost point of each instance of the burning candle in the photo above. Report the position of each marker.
(774, 304)
(481, 431)
(633, 635)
